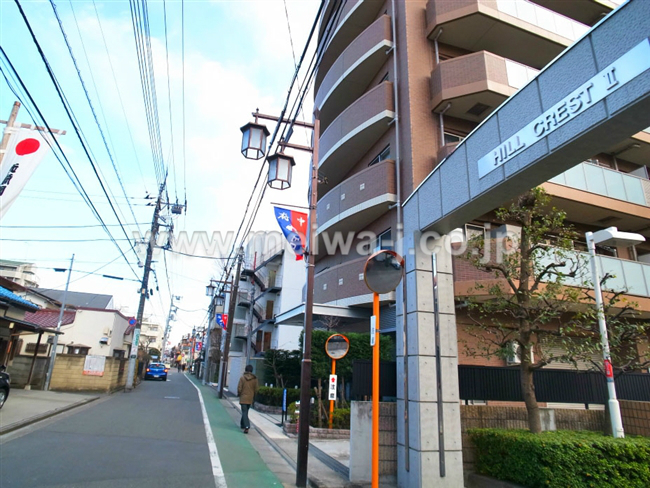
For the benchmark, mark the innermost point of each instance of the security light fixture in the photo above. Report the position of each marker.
(608, 237)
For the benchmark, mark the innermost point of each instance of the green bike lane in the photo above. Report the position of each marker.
(241, 463)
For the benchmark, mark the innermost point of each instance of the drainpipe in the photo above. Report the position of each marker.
(400, 233)
(442, 124)
(435, 45)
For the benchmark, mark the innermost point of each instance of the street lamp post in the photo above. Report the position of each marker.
(280, 166)
(610, 236)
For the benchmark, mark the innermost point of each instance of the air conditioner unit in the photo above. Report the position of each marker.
(513, 356)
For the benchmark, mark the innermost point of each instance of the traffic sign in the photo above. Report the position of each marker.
(332, 389)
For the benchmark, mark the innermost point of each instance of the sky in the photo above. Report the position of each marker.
(238, 56)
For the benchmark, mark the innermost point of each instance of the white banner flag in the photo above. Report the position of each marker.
(25, 150)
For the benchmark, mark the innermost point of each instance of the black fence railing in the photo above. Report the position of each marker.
(503, 384)
(362, 379)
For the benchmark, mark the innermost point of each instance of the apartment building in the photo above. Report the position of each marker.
(397, 92)
(271, 283)
(19, 272)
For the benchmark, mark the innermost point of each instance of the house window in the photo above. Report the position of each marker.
(78, 350)
(384, 154)
(118, 353)
(31, 347)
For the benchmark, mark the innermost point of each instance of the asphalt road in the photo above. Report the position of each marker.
(153, 436)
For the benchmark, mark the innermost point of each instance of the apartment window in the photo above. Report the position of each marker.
(78, 350)
(384, 241)
(451, 138)
(383, 155)
(119, 354)
(31, 347)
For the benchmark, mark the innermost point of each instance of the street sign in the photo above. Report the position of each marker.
(373, 330)
(332, 389)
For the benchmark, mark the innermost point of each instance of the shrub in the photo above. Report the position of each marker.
(340, 418)
(563, 459)
(273, 396)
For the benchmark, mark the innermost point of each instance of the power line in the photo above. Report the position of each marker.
(117, 87)
(70, 116)
(90, 104)
(60, 227)
(69, 170)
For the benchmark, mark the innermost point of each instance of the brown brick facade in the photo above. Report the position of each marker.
(636, 417)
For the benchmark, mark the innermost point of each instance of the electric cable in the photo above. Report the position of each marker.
(69, 170)
(92, 108)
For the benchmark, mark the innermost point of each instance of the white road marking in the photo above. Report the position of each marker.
(217, 470)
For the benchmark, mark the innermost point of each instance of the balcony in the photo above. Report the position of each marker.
(633, 276)
(351, 135)
(358, 201)
(353, 71)
(630, 276)
(635, 148)
(587, 12)
(354, 18)
(606, 182)
(476, 84)
(521, 31)
(344, 285)
(243, 298)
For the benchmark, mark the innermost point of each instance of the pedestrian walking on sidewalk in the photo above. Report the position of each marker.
(246, 390)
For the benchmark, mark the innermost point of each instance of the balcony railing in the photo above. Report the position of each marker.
(603, 181)
(585, 11)
(632, 277)
(519, 30)
(354, 70)
(480, 79)
(355, 131)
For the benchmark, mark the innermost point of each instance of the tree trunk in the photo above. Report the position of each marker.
(528, 391)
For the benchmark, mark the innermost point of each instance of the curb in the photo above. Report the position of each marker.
(37, 418)
(320, 455)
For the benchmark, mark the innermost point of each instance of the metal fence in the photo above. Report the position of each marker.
(503, 384)
(362, 379)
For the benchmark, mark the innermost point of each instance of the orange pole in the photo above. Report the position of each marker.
(375, 395)
(332, 401)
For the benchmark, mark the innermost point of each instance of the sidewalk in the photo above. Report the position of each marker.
(328, 461)
(25, 407)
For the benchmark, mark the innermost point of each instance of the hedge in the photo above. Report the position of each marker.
(562, 459)
(340, 417)
(273, 396)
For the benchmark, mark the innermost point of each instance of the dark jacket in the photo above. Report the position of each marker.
(247, 388)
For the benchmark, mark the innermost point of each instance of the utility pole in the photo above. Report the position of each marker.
(172, 310)
(231, 319)
(143, 290)
(7, 133)
(55, 341)
(252, 299)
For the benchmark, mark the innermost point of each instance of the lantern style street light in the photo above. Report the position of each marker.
(280, 166)
(253, 143)
(209, 289)
(612, 237)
